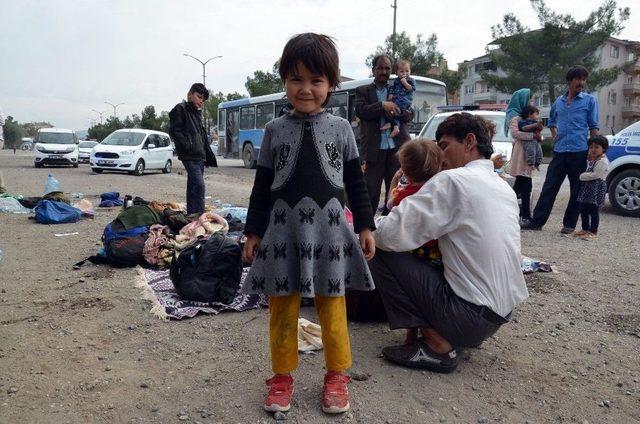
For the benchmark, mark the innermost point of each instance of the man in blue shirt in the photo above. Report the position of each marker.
(573, 117)
(378, 148)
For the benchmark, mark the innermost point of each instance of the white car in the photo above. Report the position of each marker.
(84, 150)
(501, 143)
(623, 179)
(55, 146)
(133, 150)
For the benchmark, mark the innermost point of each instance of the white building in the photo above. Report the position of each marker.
(619, 101)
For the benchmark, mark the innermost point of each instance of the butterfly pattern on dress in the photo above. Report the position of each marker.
(317, 251)
(334, 217)
(334, 285)
(283, 156)
(306, 215)
(257, 283)
(279, 216)
(280, 250)
(347, 250)
(263, 252)
(303, 250)
(305, 285)
(334, 156)
(347, 279)
(334, 253)
(282, 284)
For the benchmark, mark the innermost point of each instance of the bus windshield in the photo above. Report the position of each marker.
(426, 99)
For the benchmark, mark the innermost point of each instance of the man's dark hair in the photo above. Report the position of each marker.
(317, 52)
(577, 71)
(529, 110)
(460, 124)
(377, 57)
(200, 89)
(599, 140)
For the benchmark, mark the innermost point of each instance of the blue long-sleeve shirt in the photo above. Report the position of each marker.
(573, 121)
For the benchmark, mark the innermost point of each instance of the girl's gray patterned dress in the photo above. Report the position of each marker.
(308, 246)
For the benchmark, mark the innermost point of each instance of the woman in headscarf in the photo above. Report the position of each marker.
(519, 167)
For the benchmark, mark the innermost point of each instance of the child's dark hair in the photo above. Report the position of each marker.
(420, 159)
(317, 52)
(200, 89)
(529, 110)
(460, 124)
(600, 140)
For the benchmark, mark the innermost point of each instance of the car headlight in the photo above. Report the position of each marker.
(70, 149)
(127, 152)
(41, 149)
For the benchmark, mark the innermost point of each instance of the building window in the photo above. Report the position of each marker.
(614, 97)
(606, 122)
(627, 101)
(615, 51)
(629, 79)
(631, 57)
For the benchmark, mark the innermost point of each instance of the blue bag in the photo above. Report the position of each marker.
(52, 212)
(109, 234)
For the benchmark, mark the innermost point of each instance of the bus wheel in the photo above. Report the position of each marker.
(248, 156)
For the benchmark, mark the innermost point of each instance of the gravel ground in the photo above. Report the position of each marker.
(82, 347)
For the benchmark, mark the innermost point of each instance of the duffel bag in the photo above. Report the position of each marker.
(52, 212)
(209, 270)
(124, 249)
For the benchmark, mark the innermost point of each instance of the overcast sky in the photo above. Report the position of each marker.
(61, 59)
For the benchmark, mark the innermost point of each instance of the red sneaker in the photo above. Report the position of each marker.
(280, 392)
(335, 396)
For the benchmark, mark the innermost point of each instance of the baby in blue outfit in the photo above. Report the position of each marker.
(401, 93)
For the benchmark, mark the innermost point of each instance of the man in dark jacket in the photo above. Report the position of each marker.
(192, 144)
(378, 149)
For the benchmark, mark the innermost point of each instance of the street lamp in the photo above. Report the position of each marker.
(114, 107)
(204, 82)
(99, 113)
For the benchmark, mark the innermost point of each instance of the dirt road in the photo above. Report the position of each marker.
(82, 347)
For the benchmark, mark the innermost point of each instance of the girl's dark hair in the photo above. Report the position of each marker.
(528, 110)
(599, 140)
(577, 71)
(420, 159)
(460, 124)
(317, 52)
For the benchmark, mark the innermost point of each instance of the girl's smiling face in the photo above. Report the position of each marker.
(306, 91)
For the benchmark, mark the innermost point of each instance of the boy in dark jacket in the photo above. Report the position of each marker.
(192, 144)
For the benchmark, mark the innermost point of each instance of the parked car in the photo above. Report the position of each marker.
(623, 179)
(501, 143)
(133, 151)
(26, 143)
(84, 150)
(55, 146)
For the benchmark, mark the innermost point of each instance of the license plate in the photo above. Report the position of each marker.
(55, 156)
(106, 162)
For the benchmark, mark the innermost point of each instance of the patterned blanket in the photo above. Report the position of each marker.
(158, 289)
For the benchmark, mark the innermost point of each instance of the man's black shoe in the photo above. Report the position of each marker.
(421, 356)
(529, 225)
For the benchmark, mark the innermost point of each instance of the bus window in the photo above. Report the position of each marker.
(338, 104)
(264, 114)
(247, 118)
(222, 121)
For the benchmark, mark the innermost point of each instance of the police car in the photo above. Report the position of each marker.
(624, 171)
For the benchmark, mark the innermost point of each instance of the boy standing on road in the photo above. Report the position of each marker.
(192, 144)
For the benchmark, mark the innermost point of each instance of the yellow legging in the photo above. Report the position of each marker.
(283, 332)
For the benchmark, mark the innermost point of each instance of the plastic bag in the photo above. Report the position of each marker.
(11, 205)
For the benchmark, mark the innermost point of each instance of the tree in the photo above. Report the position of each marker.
(100, 131)
(423, 54)
(148, 119)
(540, 59)
(215, 99)
(453, 79)
(132, 121)
(13, 133)
(264, 82)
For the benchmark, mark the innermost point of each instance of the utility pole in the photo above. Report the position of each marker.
(204, 81)
(394, 6)
(114, 107)
(100, 114)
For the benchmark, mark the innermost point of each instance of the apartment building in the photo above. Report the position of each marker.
(619, 101)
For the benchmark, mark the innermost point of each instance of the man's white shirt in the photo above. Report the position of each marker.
(473, 213)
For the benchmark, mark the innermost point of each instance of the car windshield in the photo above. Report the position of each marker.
(430, 130)
(124, 138)
(56, 138)
(87, 144)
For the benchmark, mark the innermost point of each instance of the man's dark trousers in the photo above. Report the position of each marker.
(566, 164)
(384, 168)
(195, 185)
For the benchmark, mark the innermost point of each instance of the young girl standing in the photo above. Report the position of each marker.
(297, 234)
(593, 187)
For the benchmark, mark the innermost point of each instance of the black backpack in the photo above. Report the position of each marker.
(209, 270)
(124, 249)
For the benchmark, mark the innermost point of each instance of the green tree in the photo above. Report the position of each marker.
(453, 79)
(100, 131)
(132, 121)
(264, 82)
(423, 54)
(148, 119)
(13, 133)
(215, 99)
(540, 59)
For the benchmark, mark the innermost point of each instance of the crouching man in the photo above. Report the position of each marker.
(473, 214)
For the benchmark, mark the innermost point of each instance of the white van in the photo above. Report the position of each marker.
(133, 150)
(55, 146)
(624, 170)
